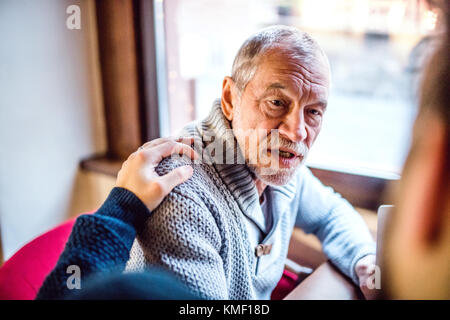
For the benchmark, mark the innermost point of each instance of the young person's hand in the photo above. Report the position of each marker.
(138, 173)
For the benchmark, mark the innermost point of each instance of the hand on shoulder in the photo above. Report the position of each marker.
(138, 173)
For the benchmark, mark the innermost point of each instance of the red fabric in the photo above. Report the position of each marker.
(23, 274)
(286, 284)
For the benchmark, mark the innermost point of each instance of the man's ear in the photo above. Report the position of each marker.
(228, 100)
(430, 218)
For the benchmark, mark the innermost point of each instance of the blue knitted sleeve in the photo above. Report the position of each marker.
(343, 233)
(99, 243)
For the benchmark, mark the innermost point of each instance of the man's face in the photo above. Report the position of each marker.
(280, 114)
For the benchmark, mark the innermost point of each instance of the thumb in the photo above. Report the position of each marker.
(176, 177)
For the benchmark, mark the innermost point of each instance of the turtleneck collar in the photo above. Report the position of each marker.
(223, 152)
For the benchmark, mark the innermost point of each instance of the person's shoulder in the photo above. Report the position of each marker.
(202, 172)
(198, 193)
(299, 180)
(309, 191)
(305, 178)
(174, 161)
(304, 171)
(190, 208)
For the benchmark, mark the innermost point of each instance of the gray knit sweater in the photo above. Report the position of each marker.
(198, 231)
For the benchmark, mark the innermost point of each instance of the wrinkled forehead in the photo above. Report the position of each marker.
(294, 70)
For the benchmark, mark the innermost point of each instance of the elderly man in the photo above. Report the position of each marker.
(225, 232)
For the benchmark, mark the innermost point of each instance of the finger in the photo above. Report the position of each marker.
(124, 164)
(157, 142)
(121, 172)
(175, 177)
(153, 143)
(170, 147)
(185, 149)
(131, 156)
(186, 140)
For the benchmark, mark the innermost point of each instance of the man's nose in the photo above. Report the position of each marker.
(294, 127)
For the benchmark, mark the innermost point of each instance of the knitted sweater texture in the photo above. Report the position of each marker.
(198, 232)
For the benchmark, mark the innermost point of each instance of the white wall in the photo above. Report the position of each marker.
(50, 113)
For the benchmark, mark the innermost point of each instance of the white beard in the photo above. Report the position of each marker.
(279, 177)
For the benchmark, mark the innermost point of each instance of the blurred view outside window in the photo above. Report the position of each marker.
(376, 49)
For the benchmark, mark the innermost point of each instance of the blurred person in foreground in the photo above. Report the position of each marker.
(416, 256)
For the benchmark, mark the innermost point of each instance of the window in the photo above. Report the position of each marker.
(374, 47)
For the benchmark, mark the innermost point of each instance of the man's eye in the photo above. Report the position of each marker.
(314, 112)
(277, 103)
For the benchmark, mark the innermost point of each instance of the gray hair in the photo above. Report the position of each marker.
(300, 45)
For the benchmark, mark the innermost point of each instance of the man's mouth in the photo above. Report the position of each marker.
(286, 154)
(283, 153)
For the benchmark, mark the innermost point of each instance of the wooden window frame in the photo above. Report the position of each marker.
(361, 191)
(127, 52)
